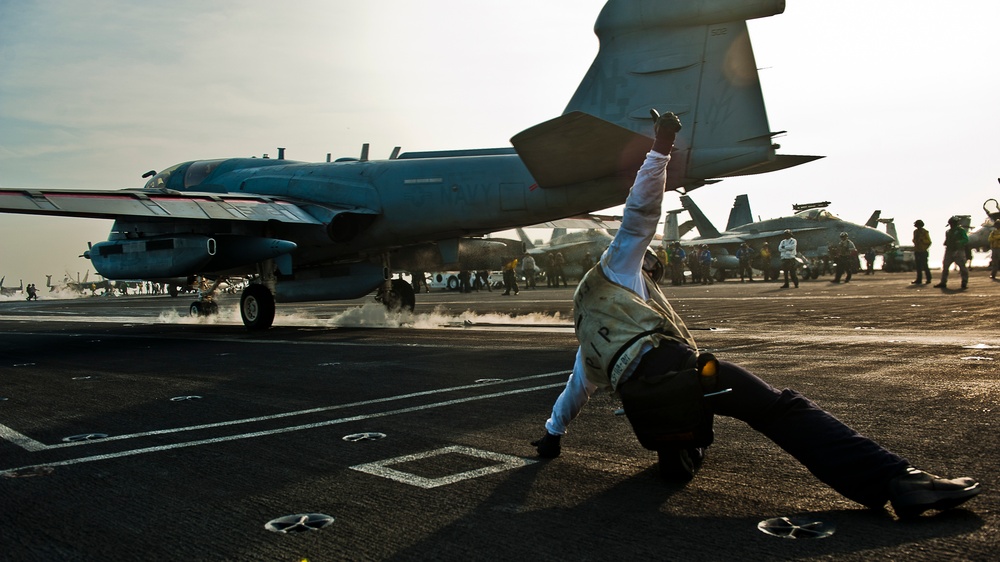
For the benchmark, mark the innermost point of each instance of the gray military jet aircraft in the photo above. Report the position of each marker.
(815, 229)
(574, 247)
(337, 230)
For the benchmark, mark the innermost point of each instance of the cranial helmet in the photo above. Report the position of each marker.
(652, 266)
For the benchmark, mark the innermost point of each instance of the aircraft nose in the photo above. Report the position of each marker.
(873, 237)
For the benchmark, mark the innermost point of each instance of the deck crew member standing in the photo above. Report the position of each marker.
(630, 335)
(788, 249)
(956, 239)
(921, 243)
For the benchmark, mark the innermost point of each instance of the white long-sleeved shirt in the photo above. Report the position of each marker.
(788, 248)
(622, 264)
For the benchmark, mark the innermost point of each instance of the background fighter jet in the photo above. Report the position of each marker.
(337, 230)
(815, 229)
(574, 247)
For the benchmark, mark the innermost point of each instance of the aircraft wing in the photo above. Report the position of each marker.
(717, 240)
(747, 236)
(602, 222)
(772, 233)
(577, 147)
(162, 205)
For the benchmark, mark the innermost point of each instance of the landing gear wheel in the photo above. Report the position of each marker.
(203, 308)
(401, 296)
(257, 307)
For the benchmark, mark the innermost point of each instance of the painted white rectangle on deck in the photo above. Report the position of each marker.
(381, 468)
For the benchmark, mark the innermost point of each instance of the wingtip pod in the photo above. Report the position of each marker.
(619, 15)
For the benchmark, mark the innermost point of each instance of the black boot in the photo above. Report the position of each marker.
(916, 491)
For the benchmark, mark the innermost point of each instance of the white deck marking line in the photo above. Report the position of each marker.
(20, 439)
(380, 468)
(43, 446)
(281, 430)
(226, 339)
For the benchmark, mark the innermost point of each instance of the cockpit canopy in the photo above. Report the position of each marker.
(184, 175)
(817, 215)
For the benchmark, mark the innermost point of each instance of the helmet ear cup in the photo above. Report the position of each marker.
(653, 266)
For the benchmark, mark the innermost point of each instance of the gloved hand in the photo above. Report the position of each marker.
(666, 127)
(548, 446)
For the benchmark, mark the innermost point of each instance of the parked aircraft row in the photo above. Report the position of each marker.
(815, 230)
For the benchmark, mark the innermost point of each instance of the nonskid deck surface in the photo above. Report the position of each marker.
(128, 429)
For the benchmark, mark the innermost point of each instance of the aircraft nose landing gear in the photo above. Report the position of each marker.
(399, 296)
(203, 308)
(205, 305)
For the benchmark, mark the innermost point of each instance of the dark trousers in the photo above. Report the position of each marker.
(790, 266)
(850, 463)
(921, 262)
(843, 266)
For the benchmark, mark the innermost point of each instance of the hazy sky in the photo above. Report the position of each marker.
(900, 96)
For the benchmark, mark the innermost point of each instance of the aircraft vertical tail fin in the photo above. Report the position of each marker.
(740, 213)
(692, 57)
(890, 228)
(523, 237)
(873, 220)
(705, 227)
(671, 228)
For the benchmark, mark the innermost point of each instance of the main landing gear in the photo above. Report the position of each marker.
(256, 304)
(398, 297)
(257, 307)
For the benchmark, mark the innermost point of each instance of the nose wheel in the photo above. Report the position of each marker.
(203, 308)
(399, 297)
